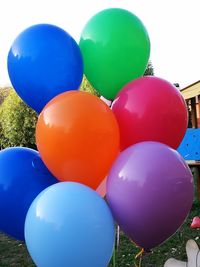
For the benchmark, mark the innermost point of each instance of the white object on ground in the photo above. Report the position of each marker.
(193, 255)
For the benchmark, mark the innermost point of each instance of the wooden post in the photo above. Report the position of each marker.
(198, 111)
(198, 182)
(195, 168)
(194, 113)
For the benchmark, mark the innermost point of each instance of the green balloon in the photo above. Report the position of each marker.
(115, 46)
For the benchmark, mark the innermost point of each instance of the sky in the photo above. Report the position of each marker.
(173, 27)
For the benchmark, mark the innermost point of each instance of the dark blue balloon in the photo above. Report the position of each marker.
(23, 176)
(44, 61)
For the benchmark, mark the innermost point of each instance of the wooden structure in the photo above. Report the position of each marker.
(191, 95)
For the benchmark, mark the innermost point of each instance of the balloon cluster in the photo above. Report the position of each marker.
(50, 198)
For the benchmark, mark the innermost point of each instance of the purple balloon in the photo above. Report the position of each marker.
(150, 192)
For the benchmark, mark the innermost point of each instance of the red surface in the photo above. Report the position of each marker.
(195, 222)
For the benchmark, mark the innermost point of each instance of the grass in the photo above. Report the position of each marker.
(173, 247)
(14, 253)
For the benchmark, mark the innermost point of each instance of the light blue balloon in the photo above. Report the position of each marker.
(44, 61)
(69, 225)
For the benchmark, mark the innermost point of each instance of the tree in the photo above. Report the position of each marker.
(87, 87)
(149, 70)
(17, 122)
(4, 91)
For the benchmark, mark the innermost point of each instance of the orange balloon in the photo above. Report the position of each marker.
(77, 136)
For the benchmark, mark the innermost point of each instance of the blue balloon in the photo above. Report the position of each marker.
(69, 225)
(44, 61)
(23, 176)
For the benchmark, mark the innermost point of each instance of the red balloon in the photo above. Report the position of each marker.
(150, 109)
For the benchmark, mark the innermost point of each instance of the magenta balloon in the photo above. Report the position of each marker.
(150, 192)
(150, 109)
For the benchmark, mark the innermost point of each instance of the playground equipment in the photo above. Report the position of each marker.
(190, 146)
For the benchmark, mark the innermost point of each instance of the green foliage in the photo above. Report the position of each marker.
(4, 91)
(149, 70)
(17, 122)
(87, 87)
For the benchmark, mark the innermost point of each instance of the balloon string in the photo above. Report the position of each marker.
(139, 255)
(118, 237)
(114, 260)
(114, 251)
